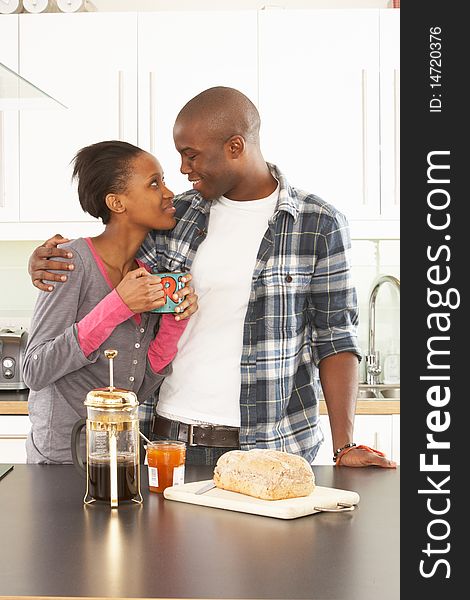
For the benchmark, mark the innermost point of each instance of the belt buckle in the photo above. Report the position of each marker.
(191, 435)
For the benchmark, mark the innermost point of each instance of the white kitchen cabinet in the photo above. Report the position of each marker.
(88, 61)
(326, 83)
(329, 100)
(325, 453)
(374, 431)
(396, 438)
(13, 432)
(9, 175)
(98, 82)
(181, 54)
(319, 102)
(377, 431)
(390, 113)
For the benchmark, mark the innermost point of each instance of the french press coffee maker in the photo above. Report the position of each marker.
(112, 444)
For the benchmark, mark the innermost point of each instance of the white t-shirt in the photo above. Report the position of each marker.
(204, 386)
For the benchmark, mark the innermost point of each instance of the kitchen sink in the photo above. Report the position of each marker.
(365, 394)
(390, 393)
(381, 391)
(378, 392)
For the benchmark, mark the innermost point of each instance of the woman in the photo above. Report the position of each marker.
(105, 303)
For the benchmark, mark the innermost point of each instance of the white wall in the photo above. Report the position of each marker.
(17, 294)
(371, 258)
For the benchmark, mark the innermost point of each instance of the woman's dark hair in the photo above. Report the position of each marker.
(101, 169)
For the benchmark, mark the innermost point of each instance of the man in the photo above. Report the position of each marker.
(277, 310)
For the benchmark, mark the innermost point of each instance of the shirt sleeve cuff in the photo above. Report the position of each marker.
(163, 348)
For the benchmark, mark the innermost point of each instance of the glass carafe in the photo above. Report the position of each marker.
(112, 446)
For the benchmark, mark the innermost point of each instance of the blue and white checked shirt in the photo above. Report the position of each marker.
(302, 308)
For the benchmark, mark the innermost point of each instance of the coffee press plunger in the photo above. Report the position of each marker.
(112, 444)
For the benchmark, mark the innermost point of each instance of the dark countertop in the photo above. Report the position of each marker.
(52, 545)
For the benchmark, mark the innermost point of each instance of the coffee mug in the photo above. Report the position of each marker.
(171, 284)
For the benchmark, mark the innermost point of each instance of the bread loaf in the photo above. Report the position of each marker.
(265, 474)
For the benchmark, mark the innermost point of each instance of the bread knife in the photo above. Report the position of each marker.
(205, 488)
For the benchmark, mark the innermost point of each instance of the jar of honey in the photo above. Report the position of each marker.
(165, 464)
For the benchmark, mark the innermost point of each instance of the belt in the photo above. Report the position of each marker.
(197, 435)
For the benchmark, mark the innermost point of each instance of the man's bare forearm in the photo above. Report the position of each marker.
(339, 378)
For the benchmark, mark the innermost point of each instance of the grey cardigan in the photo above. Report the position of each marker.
(57, 372)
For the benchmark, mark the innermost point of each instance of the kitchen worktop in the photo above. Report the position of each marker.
(15, 403)
(52, 545)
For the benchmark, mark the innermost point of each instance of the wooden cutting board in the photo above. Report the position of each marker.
(322, 499)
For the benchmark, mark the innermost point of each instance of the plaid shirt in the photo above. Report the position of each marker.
(302, 308)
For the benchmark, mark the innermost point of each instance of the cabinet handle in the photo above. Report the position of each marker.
(396, 133)
(152, 111)
(120, 104)
(364, 136)
(12, 436)
(376, 440)
(2, 167)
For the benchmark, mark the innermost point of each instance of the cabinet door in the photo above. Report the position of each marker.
(372, 430)
(396, 438)
(390, 112)
(319, 101)
(88, 62)
(13, 432)
(325, 453)
(181, 54)
(9, 173)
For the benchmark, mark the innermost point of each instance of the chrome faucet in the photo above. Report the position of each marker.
(373, 366)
